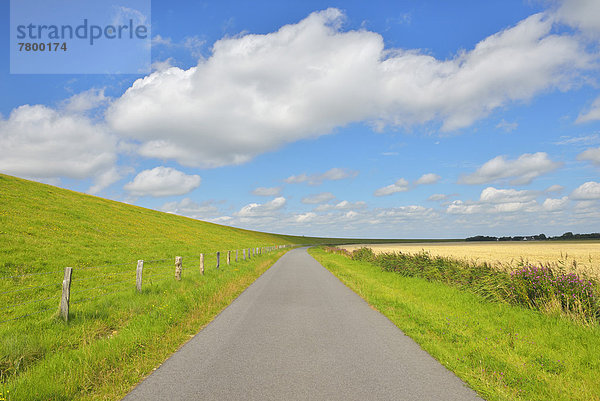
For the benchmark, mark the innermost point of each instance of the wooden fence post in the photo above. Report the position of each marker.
(244, 253)
(228, 257)
(138, 275)
(218, 259)
(178, 267)
(66, 294)
(249, 255)
(236, 256)
(202, 264)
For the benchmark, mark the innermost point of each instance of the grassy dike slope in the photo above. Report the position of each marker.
(115, 339)
(503, 352)
(43, 228)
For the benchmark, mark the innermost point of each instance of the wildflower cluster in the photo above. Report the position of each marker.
(537, 286)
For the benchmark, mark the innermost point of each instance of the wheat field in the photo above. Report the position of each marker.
(573, 256)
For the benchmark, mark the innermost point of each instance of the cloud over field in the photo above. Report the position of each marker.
(587, 191)
(334, 174)
(162, 181)
(267, 209)
(318, 198)
(520, 171)
(263, 191)
(257, 92)
(41, 142)
(592, 155)
(399, 186)
(188, 207)
(429, 178)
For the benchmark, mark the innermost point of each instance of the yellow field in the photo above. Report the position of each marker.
(583, 257)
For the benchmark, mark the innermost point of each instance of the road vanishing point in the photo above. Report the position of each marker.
(298, 333)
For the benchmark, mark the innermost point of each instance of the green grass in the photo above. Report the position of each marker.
(44, 228)
(112, 342)
(504, 352)
(114, 339)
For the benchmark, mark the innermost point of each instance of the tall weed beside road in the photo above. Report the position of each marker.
(543, 288)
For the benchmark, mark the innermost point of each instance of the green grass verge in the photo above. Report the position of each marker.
(504, 352)
(44, 228)
(111, 343)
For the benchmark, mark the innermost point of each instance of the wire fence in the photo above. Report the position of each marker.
(38, 292)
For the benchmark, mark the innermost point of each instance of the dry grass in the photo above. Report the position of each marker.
(581, 256)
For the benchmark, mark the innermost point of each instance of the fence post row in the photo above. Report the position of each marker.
(246, 253)
(178, 267)
(138, 275)
(66, 294)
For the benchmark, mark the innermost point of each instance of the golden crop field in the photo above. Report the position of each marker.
(580, 256)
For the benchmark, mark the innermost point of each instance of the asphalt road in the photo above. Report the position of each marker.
(298, 333)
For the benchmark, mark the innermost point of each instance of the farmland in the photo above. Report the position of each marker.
(573, 256)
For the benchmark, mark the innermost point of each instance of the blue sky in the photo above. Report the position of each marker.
(407, 119)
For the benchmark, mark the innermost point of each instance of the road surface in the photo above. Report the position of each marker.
(298, 333)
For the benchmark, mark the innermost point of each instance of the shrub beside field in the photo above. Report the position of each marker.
(581, 257)
(503, 351)
(538, 287)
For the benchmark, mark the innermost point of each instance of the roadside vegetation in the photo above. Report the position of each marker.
(115, 336)
(112, 342)
(532, 347)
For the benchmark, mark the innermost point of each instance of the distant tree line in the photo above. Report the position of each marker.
(540, 237)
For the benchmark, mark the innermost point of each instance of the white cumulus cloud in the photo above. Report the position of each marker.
(555, 188)
(43, 143)
(552, 205)
(162, 181)
(258, 92)
(188, 207)
(437, 197)
(493, 195)
(399, 186)
(587, 191)
(591, 114)
(429, 178)
(582, 14)
(592, 155)
(521, 170)
(334, 174)
(318, 198)
(493, 200)
(84, 101)
(262, 210)
(346, 205)
(305, 217)
(264, 191)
